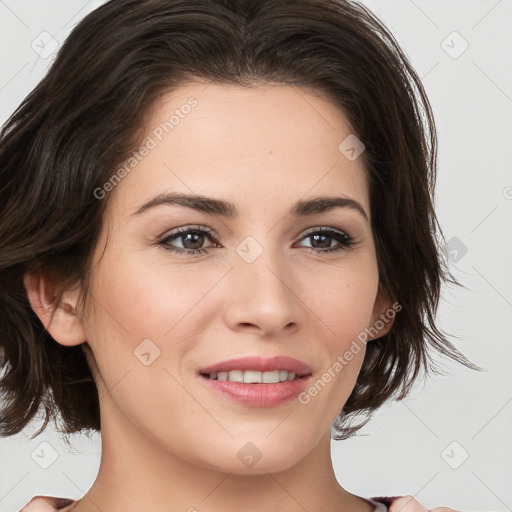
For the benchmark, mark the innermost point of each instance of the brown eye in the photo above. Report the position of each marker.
(322, 239)
(192, 240)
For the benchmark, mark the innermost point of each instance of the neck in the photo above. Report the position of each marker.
(137, 474)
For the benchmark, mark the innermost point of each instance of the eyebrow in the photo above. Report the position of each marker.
(226, 209)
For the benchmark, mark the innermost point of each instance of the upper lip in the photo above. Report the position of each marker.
(261, 364)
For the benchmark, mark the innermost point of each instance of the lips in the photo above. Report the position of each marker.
(260, 364)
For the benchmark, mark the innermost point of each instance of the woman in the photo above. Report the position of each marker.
(218, 241)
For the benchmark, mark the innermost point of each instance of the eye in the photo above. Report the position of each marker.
(192, 240)
(322, 238)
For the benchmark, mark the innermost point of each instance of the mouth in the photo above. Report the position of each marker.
(255, 381)
(257, 370)
(254, 376)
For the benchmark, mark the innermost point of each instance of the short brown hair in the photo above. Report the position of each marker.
(88, 114)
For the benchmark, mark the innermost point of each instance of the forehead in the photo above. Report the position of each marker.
(261, 143)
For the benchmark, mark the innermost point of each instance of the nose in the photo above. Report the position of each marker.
(261, 297)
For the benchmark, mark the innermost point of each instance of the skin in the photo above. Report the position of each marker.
(168, 442)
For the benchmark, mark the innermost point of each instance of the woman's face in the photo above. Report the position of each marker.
(168, 301)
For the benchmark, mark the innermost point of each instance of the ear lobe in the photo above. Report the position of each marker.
(383, 315)
(60, 320)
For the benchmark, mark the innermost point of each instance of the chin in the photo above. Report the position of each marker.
(257, 457)
(262, 467)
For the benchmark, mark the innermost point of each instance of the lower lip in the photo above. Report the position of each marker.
(258, 395)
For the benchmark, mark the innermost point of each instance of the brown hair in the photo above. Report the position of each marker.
(87, 116)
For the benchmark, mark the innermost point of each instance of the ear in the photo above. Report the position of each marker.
(60, 320)
(383, 315)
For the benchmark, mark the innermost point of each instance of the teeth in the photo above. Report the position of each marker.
(254, 377)
(235, 376)
(251, 377)
(271, 377)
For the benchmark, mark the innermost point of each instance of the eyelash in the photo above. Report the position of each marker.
(344, 240)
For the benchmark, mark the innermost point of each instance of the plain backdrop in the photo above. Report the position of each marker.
(450, 443)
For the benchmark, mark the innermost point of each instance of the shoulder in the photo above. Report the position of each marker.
(46, 504)
(383, 504)
(405, 504)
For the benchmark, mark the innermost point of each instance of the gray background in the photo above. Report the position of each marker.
(450, 443)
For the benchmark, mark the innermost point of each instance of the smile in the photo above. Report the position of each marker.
(254, 377)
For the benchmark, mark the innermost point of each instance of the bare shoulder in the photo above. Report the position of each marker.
(46, 504)
(409, 504)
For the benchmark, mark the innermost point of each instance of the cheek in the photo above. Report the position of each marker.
(149, 300)
(136, 300)
(343, 299)
(137, 308)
